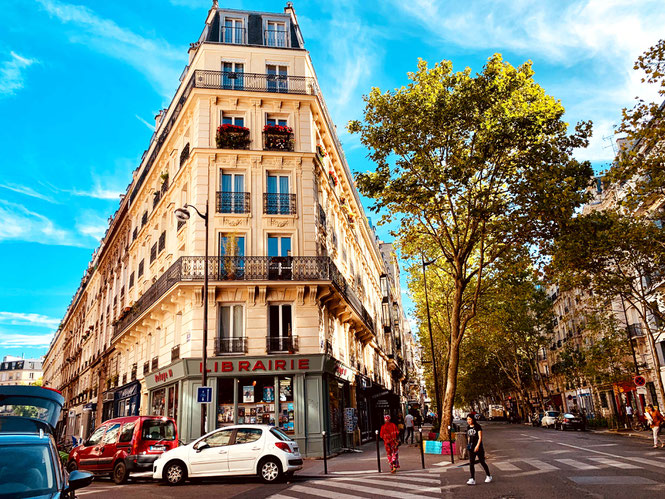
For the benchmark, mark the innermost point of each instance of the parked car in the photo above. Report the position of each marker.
(569, 421)
(123, 445)
(537, 418)
(549, 419)
(30, 465)
(233, 450)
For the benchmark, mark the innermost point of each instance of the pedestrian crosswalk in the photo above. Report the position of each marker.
(406, 485)
(586, 463)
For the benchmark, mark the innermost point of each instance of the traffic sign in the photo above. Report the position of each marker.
(204, 394)
(640, 380)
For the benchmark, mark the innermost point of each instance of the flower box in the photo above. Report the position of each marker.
(232, 137)
(277, 138)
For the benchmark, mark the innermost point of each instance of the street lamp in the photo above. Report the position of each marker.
(431, 339)
(183, 215)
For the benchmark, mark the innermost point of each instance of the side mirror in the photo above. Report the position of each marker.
(202, 445)
(79, 479)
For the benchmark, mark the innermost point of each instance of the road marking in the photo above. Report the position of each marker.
(280, 496)
(615, 464)
(577, 464)
(503, 466)
(358, 488)
(557, 451)
(612, 480)
(363, 472)
(540, 465)
(397, 485)
(311, 490)
(602, 445)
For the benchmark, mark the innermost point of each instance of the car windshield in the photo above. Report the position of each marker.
(569, 415)
(280, 435)
(35, 408)
(26, 471)
(553, 414)
(158, 429)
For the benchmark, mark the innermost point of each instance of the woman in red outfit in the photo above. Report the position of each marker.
(390, 435)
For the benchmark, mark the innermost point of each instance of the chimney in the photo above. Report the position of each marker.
(289, 8)
(159, 118)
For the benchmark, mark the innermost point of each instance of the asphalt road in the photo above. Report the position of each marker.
(525, 462)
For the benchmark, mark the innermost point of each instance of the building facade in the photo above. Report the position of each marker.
(20, 371)
(305, 324)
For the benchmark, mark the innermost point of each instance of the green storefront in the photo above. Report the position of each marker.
(301, 394)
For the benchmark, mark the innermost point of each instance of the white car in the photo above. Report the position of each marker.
(549, 419)
(233, 450)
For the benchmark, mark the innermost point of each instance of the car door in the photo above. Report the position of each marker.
(246, 450)
(90, 450)
(108, 447)
(209, 456)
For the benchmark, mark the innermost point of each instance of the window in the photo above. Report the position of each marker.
(233, 120)
(279, 246)
(232, 195)
(141, 265)
(278, 199)
(158, 429)
(162, 241)
(96, 437)
(144, 218)
(131, 281)
(276, 34)
(273, 121)
(248, 435)
(127, 432)
(153, 252)
(280, 321)
(220, 438)
(233, 75)
(231, 253)
(277, 78)
(231, 321)
(111, 434)
(233, 31)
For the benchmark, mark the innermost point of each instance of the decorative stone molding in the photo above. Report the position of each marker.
(263, 290)
(300, 295)
(279, 222)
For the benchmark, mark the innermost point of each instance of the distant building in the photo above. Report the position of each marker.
(19, 371)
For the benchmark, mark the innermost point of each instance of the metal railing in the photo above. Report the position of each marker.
(233, 202)
(246, 268)
(275, 38)
(282, 344)
(279, 204)
(254, 82)
(233, 34)
(230, 345)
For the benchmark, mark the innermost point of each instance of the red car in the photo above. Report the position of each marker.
(122, 445)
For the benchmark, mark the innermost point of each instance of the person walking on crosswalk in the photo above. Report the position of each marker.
(476, 449)
(390, 435)
(656, 420)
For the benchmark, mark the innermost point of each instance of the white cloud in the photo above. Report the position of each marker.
(16, 340)
(146, 123)
(11, 73)
(97, 192)
(92, 225)
(27, 191)
(19, 223)
(27, 319)
(155, 58)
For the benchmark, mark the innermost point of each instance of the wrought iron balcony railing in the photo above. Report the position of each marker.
(233, 34)
(246, 268)
(233, 202)
(276, 344)
(254, 82)
(279, 204)
(230, 345)
(275, 37)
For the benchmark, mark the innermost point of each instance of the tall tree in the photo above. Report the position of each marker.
(475, 165)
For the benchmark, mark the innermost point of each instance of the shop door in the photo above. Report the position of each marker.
(210, 455)
(247, 449)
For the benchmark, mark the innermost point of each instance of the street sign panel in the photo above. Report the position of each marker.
(204, 394)
(640, 380)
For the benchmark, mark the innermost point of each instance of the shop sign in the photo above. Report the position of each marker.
(343, 372)
(383, 403)
(165, 375)
(261, 365)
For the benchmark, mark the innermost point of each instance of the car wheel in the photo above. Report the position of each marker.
(120, 473)
(175, 473)
(270, 470)
(72, 466)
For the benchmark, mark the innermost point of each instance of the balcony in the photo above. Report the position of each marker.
(233, 34)
(247, 268)
(232, 137)
(282, 344)
(278, 138)
(225, 346)
(635, 331)
(254, 82)
(233, 202)
(279, 204)
(275, 37)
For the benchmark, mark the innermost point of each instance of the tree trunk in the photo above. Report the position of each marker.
(446, 418)
(656, 364)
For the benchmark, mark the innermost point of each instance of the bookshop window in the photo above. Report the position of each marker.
(256, 400)
(224, 401)
(286, 410)
(158, 402)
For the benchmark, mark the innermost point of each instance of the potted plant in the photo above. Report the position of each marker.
(232, 137)
(321, 151)
(164, 177)
(278, 138)
(332, 177)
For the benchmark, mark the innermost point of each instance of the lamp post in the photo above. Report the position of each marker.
(431, 339)
(183, 215)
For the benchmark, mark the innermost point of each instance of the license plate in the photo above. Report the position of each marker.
(157, 447)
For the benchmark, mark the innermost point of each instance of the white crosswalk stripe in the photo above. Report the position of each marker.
(501, 466)
(541, 465)
(403, 485)
(614, 463)
(579, 465)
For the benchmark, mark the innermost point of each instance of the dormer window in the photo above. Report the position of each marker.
(275, 35)
(233, 31)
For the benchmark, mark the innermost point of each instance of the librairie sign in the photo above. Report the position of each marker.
(258, 365)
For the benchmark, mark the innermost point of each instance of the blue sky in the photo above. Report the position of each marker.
(80, 84)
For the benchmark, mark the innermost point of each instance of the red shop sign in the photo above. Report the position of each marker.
(258, 365)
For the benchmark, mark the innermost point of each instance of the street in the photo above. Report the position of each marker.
(524, 461)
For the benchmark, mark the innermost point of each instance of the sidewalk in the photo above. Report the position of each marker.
(646, 435)
(350, 463)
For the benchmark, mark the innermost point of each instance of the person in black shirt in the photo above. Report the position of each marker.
(475, 447)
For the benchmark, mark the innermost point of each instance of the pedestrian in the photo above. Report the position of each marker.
(400, 428)
(656, 421)
(390, 435)
(475, 447)
(408, 422)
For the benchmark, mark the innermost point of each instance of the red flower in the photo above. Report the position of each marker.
(277, 129)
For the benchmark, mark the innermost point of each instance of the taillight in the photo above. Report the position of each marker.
(566, 420)
(284, 446)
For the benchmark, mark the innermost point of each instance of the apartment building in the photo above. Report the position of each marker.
(305, 323)
(20, 371)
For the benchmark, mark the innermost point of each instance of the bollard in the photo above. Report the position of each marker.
(325, 453)
(422, 448)
(378, 455)
(450, 442)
